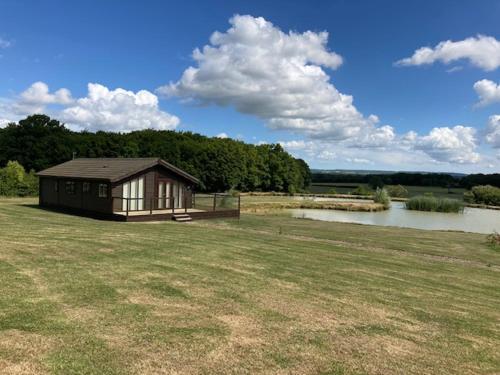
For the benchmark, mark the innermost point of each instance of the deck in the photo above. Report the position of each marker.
(205, 206)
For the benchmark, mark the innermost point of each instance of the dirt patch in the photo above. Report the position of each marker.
(21, 353)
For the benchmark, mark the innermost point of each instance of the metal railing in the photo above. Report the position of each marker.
(200, 202)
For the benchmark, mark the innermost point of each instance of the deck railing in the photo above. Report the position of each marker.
(199, 202)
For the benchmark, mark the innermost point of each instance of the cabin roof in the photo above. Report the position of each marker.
(109, 169)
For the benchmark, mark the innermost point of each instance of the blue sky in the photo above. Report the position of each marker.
(427, 112)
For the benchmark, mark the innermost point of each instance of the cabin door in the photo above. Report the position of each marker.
(164, 194)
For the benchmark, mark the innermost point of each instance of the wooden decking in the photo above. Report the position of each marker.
(168, 214)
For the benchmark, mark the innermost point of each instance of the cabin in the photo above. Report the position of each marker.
(130, 189)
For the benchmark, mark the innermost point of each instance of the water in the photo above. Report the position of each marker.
(472, 220)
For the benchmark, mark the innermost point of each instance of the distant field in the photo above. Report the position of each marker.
(265, 294)
(344, 188)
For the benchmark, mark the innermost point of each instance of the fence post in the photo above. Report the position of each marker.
(173, 205)
(151, 206)
(239, 203)
(127, 205)
(215, 200)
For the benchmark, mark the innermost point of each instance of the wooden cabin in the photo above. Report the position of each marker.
(129, 189)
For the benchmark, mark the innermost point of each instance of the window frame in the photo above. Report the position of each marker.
(70, 187)
(103, 190)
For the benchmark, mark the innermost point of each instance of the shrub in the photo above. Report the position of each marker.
(483, 194)
(361, 190)
(493, 239)
(332, 191)
(397, 191)
(429, 203)
(14, 181)
(381, 196)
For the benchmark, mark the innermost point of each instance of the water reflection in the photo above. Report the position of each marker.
(472, 220)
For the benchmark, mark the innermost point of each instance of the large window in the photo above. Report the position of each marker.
(103, 190)
(133, 192)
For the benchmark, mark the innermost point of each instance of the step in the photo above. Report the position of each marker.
(181, 217)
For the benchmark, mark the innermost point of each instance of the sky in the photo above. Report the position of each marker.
(391, 85)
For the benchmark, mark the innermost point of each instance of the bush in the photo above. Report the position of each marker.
(493, 239)
(483, 194)
(381, 196)
(397, 191)
(361, 190)
(14, 181)
(429, 203)
(332, 191)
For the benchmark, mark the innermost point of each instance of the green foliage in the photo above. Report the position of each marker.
(430, 203)
(493, 239)
(332, 191)
(381, 196)
(375, 182)
(397, 191)
(484, 194)
(39, 142)
(14, 181)
(361, 190)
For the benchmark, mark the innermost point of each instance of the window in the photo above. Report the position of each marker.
(133, 192)
(103, 190)
(70, 187)
(86, 187)
(56, 186)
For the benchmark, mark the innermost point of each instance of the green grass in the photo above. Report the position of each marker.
(431, 203)
(265, 294)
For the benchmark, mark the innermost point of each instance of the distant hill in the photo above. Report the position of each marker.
(379, 172)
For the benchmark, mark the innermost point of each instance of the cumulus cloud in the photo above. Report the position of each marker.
(488, 92)
(222, 135)
(37, 97)
(445, 144)
(118, 110)
(454, 145)
(276, 76)
(102, 108)
(482, 51)
(493, 131)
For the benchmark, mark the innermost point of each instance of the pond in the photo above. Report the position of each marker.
(472, 220)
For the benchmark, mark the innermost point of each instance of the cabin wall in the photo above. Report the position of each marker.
(85, 201)
(151, 178)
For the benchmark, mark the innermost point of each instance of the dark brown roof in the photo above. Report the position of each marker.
(110, 169)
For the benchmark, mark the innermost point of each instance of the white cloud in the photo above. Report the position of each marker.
(493, 131)
(4, 43)
(222, 135)
(276, 76)
(488, 92)
(453, 145)
(118, 110)
(37, 97)
(481, 51)
(102, 108)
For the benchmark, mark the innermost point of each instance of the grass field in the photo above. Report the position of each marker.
(345, 188)
(266, 294)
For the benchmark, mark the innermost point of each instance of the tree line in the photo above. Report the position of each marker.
(39, 142)
(409, 179)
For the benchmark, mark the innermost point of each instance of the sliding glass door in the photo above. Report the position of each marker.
(164, 194)
(133, 191)
(170, 193)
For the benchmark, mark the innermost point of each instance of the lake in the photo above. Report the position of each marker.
(472, 220)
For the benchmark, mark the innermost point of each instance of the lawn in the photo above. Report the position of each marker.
(265, 294)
